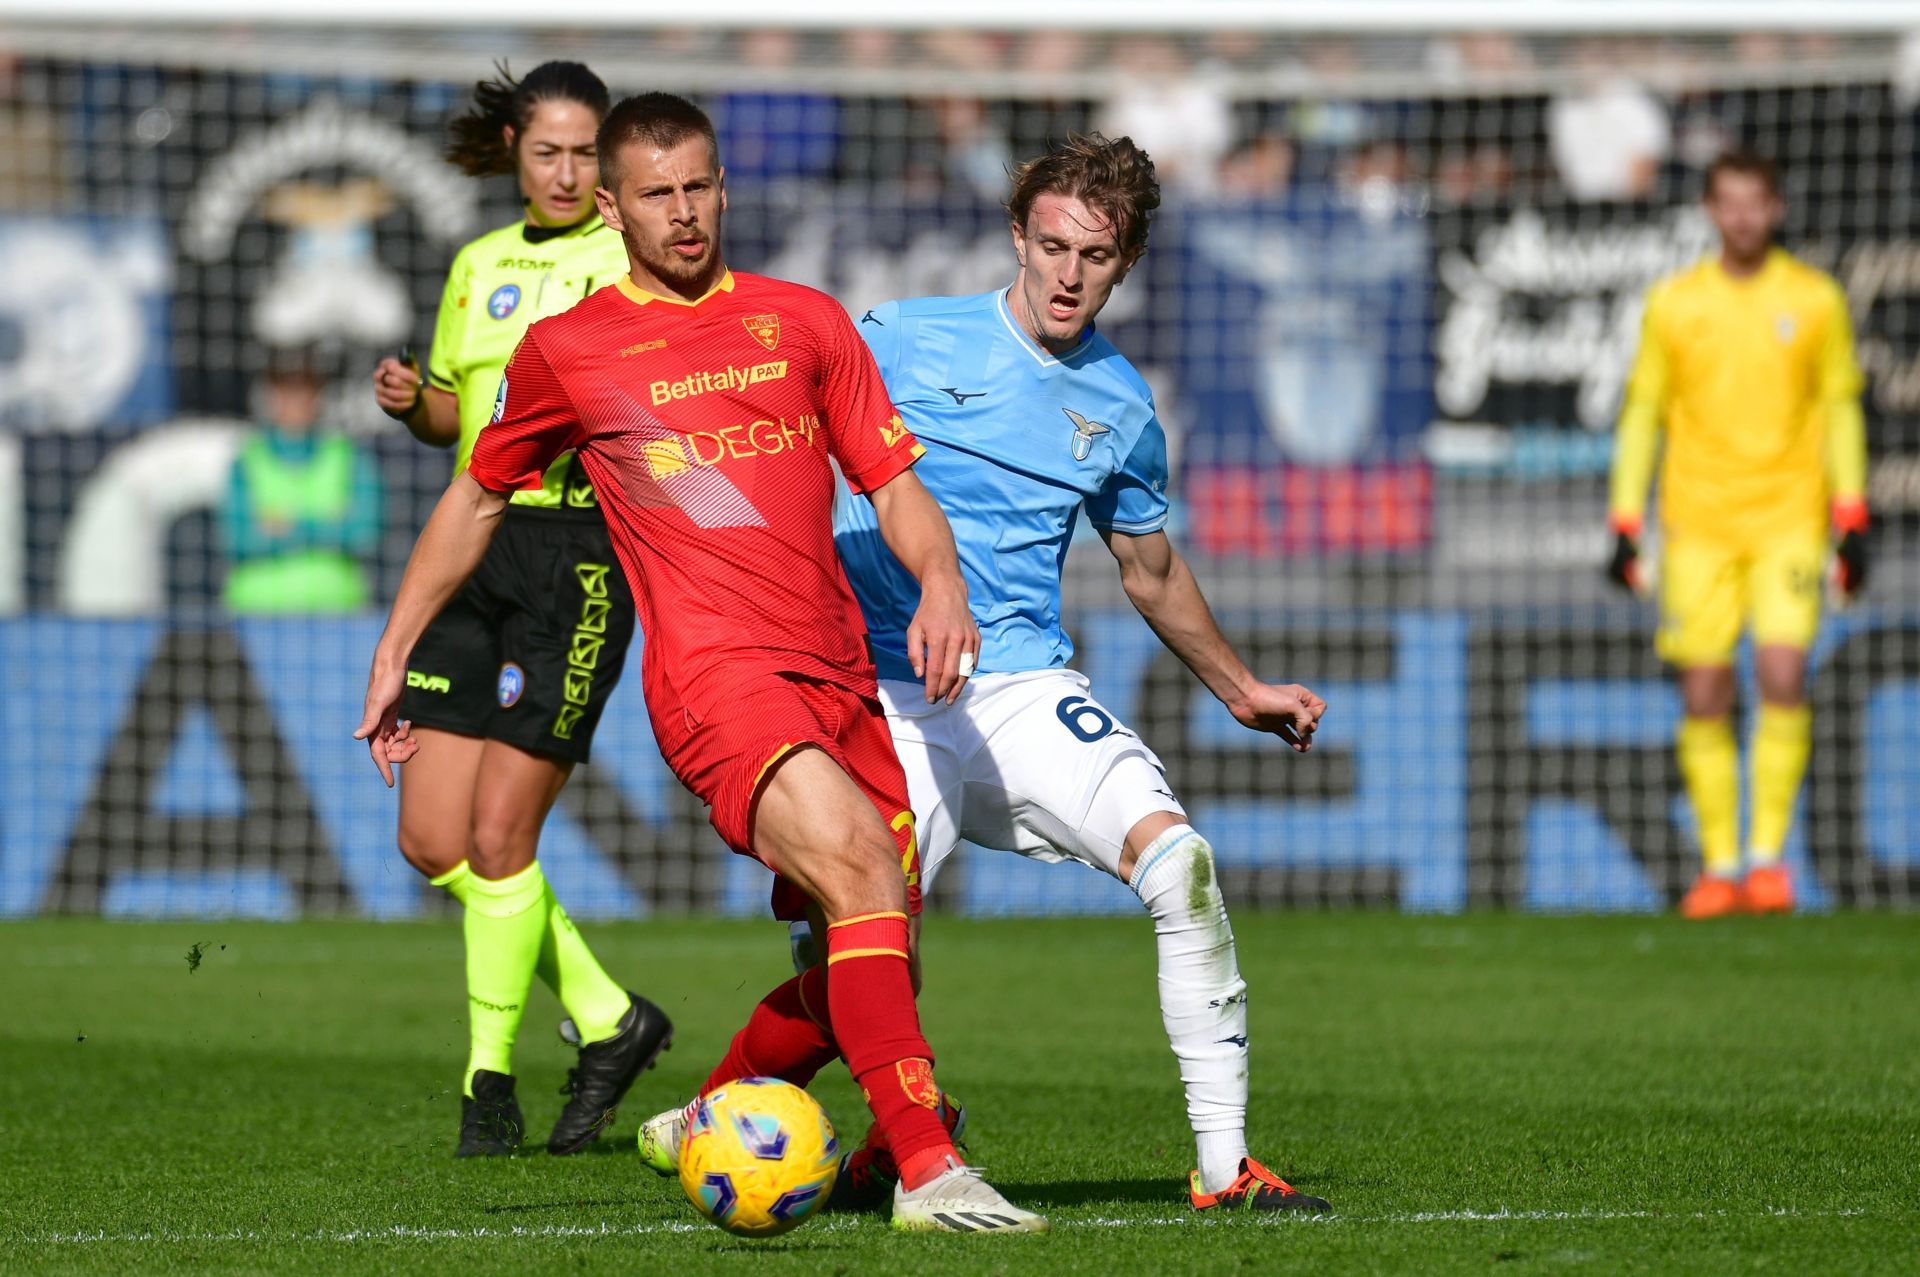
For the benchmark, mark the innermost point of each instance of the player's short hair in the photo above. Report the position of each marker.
(478, 146)
(1111, 174)
(664, 120)
(1747, 164)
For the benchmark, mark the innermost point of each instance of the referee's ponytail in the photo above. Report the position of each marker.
(479, 146)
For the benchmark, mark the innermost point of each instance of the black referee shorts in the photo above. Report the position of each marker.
(531, 647)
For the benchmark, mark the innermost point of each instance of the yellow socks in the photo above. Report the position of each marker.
(505, 926)
(1782, 739)
(1710, 763)
(1781, 742)
(592, 997)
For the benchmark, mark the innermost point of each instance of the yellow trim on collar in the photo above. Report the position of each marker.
(641, 297)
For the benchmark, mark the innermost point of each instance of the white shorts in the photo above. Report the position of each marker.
(1028, 763)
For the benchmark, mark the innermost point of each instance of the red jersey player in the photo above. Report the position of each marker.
(705, 406)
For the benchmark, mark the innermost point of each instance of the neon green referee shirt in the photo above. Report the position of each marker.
(498, 285)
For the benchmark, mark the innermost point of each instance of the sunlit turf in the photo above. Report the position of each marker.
(1485, 1094)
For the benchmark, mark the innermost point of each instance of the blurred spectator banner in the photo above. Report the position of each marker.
(209, 771)
(1302, 372)
(83, 323)
(1390, 298)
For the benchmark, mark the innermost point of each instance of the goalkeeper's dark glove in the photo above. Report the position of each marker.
(1624, 569)
(1850, 555)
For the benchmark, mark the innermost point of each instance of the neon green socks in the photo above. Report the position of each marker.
(566, 965)
(591, 996)
(505, 926)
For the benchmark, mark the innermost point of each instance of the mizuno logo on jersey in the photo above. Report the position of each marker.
(961, 396)
(700, 383)
(1084, 433)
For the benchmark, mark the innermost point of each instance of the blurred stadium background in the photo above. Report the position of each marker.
(1387, 311)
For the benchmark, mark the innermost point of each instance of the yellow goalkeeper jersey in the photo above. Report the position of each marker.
(498, 285)
(1751, 377)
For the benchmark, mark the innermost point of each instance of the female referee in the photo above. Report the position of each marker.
(505, 689)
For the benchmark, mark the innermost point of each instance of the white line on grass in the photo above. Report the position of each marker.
(410, 1232)
(1502, 1215)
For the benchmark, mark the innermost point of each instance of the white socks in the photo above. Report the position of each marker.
(1203, 1000)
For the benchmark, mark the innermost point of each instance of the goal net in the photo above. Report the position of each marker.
(1388, 307)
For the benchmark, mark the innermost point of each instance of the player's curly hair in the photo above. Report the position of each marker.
(479, 147)
(1111, 174)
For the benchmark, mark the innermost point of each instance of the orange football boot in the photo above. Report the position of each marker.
(1712, 897)
(1255, 1188)
(1769, 889)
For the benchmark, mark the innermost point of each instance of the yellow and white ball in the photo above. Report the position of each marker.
(759, 1156)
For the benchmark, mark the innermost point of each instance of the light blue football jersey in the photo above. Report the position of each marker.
(1017, 441)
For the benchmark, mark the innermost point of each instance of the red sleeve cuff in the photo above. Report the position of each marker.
(504, 484)
(890, 468)
(1629, 524)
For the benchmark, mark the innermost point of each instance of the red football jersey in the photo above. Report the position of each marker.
(706, 429)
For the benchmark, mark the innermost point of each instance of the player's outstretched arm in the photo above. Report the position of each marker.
(1163, 589)
(449, 549)
(943, 642)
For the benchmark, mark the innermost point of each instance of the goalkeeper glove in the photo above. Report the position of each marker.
(1624, 569)
(1850, 555)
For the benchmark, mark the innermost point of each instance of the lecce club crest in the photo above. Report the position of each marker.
(765, 329)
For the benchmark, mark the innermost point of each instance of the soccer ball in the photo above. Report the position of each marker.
(760, 1156)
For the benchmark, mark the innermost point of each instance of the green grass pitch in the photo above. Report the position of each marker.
(1493, 1094)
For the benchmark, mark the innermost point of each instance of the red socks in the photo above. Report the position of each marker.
(786, 1037)
(877, 1025)
(867, 1013)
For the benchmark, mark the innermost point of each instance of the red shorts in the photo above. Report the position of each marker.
(725, 758)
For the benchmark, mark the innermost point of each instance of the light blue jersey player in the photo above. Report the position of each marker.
(1018, 439)
(1028, 416)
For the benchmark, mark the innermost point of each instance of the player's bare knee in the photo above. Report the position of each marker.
(503, 842)
(1141, 836)
(1707, 691)
(1781, 673)
(431, 850)
(860, 873)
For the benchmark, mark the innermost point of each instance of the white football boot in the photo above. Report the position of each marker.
(661, 1137)
(960, 1201)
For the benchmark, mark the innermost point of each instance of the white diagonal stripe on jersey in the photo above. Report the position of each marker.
(702, 493)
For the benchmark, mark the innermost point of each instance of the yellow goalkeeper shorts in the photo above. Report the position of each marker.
(1710, 592)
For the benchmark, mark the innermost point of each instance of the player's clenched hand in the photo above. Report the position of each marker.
(1850, 563)
(390, 741)
(943, 642)
(1287, 710)
(1623, 569)
(396, 387)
